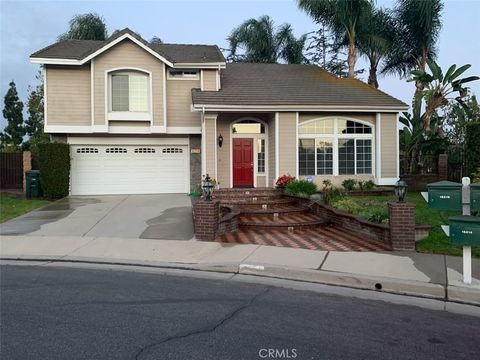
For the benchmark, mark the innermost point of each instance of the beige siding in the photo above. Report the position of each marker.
(261, 181)
(287, 143)
(210, 145)
(271, 151)
(209, 80)
(68, 95)
(127, 55)
(179, 101)
(368, 117)
(131, 123)
(389, 151)
(223, 154)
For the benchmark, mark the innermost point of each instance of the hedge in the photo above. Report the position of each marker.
(54, 163)
(472, 146)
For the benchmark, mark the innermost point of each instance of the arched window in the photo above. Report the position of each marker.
(248, 127)
(335, 146)
(129, 94)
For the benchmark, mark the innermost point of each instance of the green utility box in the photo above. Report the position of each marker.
(475, 197)
(33, 189)
(445, 195)
(464, 230)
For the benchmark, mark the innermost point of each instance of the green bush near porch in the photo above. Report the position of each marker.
(301, 188)
(54, 161)
(370, 207)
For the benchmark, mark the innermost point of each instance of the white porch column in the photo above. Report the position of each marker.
(378, 152)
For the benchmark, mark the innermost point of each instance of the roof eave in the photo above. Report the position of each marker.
(354, 108)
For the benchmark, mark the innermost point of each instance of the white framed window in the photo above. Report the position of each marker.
(183, 74)
(144, 151)
(116, 150)
(129, 95)
(172, 151)
(261, 156)
(335, 146)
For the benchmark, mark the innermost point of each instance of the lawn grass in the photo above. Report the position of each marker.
(437, 241)
(11, 206)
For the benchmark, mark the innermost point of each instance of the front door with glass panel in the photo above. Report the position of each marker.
(242, 162)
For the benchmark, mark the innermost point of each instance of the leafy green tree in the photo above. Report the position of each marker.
(156, 40)
(261, 42)
(324, 51)
(376, 41)
(90, 26)
(35, 122)
(345, 18)
(418, 25)
(458, 115)
(12, 136)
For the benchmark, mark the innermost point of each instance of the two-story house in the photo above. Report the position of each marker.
(153, 118)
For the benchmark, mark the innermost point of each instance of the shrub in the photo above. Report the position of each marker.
(378, 215)
(54, 164)
(329, 192)
(369, 185)
(284, 180)
(349, 184)
(476, 176)
(348, 205)
(472, 142)
(297, 187)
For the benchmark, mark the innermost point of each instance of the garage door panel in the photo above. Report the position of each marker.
(139, 170)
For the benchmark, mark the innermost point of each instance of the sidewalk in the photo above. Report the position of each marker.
(426, 275)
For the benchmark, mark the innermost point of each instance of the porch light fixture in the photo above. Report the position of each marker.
(207, 187)
(400, 191)
(220, 140)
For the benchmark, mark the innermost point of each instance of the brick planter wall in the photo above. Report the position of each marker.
(206, 214)
(27, 165)
(402, 225)
(229, 221)
(371, 231)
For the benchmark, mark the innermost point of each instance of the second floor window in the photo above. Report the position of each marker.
(129, 92)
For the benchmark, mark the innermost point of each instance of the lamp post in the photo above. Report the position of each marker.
(400, 191)
(207, 187)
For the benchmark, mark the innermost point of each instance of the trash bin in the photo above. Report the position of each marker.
(33, 189)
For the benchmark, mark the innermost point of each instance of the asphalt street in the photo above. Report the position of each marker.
(78, 313)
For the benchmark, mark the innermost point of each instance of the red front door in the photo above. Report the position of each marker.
(242, 162)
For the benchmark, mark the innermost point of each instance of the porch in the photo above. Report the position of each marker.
(252, 149)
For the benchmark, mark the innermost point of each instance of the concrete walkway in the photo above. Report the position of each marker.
(426, 275)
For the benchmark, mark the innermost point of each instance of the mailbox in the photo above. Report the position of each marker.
(475, 197)
(464, 230)
(445, 195)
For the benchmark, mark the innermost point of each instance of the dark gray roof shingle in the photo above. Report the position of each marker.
(176, 53)
(283, 84)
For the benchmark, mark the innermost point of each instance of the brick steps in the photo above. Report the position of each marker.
(325, 237)
(279, 209)
(289, 222)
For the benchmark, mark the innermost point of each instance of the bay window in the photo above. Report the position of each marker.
(335, 146)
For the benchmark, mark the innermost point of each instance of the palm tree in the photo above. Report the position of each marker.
(376, 41)
(89, 26)
(263, 44)
(418, 24)
(345, 18)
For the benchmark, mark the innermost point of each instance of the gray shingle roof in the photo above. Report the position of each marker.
(282, 84)
(176, 53)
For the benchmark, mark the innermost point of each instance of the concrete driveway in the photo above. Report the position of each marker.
(167, 217)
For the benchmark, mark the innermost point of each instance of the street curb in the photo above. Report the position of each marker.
(377, 284)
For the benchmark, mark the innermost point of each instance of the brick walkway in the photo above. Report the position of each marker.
(325, 237)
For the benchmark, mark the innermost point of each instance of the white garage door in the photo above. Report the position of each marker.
(129, 169)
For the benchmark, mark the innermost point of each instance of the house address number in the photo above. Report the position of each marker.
(195, 151)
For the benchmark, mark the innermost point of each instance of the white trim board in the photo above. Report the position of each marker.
(386, 181)
(290, 108)
(99, 140)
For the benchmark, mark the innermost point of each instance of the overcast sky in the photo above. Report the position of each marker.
(27, 26)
